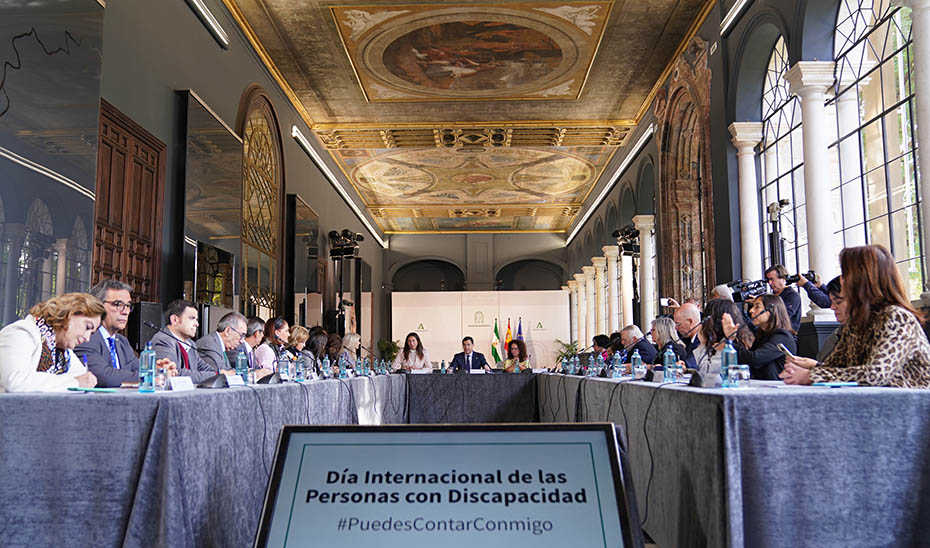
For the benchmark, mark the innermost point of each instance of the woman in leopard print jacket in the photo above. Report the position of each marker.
(883, 343)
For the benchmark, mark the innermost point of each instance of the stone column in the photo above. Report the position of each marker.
(612, 254)
(626, 289)
(582, 311)
(746, 136)
(61, 247)
(590, 313)
(600, 271)
(647, 269)
(573, 309)
(809, 80)
(15, 235)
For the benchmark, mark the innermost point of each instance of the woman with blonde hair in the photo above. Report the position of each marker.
(665, 335)
(297, 340)
(36, 353)
(350, 344)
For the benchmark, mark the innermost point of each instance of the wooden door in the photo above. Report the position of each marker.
(130, 200)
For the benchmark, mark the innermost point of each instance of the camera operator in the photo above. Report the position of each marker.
(815, 291)
(775, 276)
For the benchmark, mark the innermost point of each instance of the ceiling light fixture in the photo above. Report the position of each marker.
(643, 139)
(318, 160)
(732, 16)
(209, 21)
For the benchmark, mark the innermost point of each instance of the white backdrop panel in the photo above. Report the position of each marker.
(479, 308)
(545, 319)
(436, 316)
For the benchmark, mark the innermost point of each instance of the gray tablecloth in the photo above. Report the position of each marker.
(166, 469)
(460, 398)
(766, 466)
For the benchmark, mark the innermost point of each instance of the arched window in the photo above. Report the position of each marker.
(78, 270)
(36, 267)
(262, 196)
(875, 152)
(783, 164)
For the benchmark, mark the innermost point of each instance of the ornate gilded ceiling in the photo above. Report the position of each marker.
(478, 116)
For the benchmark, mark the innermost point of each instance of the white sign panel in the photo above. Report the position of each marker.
(436, 316)
(479, 310)
(544, 318)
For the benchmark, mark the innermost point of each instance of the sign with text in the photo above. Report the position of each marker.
(450, 486)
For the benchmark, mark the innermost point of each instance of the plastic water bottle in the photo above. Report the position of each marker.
(616, 368)
(147, 369)
(327, 373)
(636, 365)
(599, 364)
(729, 361)
(343, 373)
(668, 361)
(242, 367)
(442, 367)
(564, 365)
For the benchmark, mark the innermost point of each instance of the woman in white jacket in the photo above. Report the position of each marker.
(36, 352)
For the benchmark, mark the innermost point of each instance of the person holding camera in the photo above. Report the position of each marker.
(776, 276)
(815, 290)
(769, 316)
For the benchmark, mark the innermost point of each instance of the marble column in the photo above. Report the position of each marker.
(573, 308)
(647, 269)
(612, 254)
(746, 136)
(61, 247)
(15, 235)
(626, 289)
(809, 80)
(582, 311)
(590, 313)
(600, 295)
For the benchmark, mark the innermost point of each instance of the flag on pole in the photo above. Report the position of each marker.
(495, 342)
(520, 329)
(509, 337)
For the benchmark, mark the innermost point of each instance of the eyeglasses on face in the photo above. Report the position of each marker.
(120, 305)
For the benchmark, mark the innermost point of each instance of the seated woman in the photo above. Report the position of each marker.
(666, 336)
(709, 352)
(296, 341)
(36, 353)
(773, 327)
(600, 344)
(883, 342)
(350, 344)
(517, 359)
(276, 335)
(413, 356)
(315, 350)
(838, 305)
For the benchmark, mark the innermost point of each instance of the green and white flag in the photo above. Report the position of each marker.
(496, 342)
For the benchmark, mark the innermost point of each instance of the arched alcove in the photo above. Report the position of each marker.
(429, 275)
(646, 189)
(752, 60)
(627, 206)
(530, 275)
(600, 238)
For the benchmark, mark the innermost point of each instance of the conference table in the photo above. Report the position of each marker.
(764, 466)
(767, 465)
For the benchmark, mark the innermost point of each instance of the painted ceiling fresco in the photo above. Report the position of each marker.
(494, 116)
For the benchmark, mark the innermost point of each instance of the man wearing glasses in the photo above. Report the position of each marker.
(108, 354)
(230, 331)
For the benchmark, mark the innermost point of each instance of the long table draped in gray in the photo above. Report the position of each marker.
(437, 399)
(167, 469)
(766, 466)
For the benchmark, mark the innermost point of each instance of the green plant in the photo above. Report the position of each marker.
(565, 350)
(388, 349)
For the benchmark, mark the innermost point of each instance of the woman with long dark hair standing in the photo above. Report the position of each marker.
(882, 343)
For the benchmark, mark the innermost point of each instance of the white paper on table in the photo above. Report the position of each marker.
(421, 371)
(180, 384)
(477, 371)
(234, 380)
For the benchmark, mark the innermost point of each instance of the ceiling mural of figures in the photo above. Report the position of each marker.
(471, 115)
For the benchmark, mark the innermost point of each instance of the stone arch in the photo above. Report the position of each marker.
(600, 237)
(611, 223)
(531, 274)
(627, 208)
(429, 275)
(752, 59)
(684, 194)
(814, 26)
(646, 188)
(400, 264)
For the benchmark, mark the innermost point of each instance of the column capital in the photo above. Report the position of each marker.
(600, 263)
(572, 285)
(642, 222)
(564, 288)
(611, 251)
(588, 272)
(915, 5)
(61, 245)
(579, 279)
(807, 77)
(746, 134)
(847, 77)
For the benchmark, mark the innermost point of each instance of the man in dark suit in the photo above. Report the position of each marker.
(776, 276)
(633, 339)
(469, 359)
(108, 354)
(175, 342)
(229, 333)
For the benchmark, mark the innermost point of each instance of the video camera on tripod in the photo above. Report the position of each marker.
(744, 290)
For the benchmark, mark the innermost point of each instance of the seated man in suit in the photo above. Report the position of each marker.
(108, 354)
(229, 333)
(468, 359)
(633, 339)
(174, 341)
